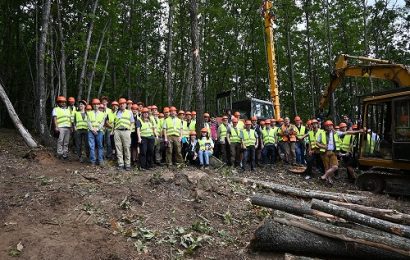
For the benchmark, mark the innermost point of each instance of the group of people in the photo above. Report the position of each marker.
(134, 134)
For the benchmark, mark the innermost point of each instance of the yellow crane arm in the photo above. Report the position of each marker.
(269, 18)
(378, 69)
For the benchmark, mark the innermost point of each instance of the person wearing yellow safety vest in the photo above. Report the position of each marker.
(193, 116)
(300, 147)
(95, 122)
(205, 150)
(71, 106)
(329, 144)
(249, 144)
(234, 141)
(81, 130)
(255, 126)
(129, 104)
(313, 153)
(172, 137)
(63, 126)
(223, 130)
(108, 128)
(346, 149)
(189, 122)
(147, 133)
(207, 122)
(156, 121)
(110, 124)
(288, 133)
(122, 135)
(268, 144)
(134, 135)
(241, 125)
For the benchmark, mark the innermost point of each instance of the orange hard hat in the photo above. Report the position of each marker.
(247, 122)
(172, 109)
(166, 109)
(309, 122)
(237, 113)
(337, 127)
(234, 120)
(101, 106)
(314, 121)
(225, 117)
(61, 99)
(262, 122)
(134, 107)
(156, 113)
(206, 115)
(149, 107)
(122, 101)
(129, 101)
(267, 121)
(273, 120)
(355, 127)
(181, 112)
(95, 101)
(89, 107)
(342, 125)
(71, 99)
(154, 107)
(280, 119)
(297, 119)
(161, 115)
(188, 113)
(194, 113)
(145, 110)
(114, 103)
(204, 130)
(254, 118)
(191, 133)
(328, 123)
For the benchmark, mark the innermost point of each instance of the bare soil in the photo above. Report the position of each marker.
(51, 209)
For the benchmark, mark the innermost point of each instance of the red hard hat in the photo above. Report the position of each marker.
(134, 107)
(206, 115)
(95, 101)
(342, 125)
(161, 115)
(89, 107)
(188, 113)
(194, 113)
(192, 133)
(71, 99)
(172, 109)
(145, 110)
(328, 123)
(280, 119)
(166, 109)
(237, 113)
(154, 107)
(204, 130)
(234, 120)
(61, 99)
(129, 101)
(297, 119)
(267, 121)
(247, 122)
(254, 118)
(122, 101)
(114, 103)
(262, 122)
(181, 112)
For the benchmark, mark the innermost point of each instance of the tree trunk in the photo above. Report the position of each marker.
(170, 87)
(332, 103)
(87, 49)
(62, 52)
(41, 116)
(307, 237)
(188, 84)
(196, 61)
(360, 218)
(105, 73)
(290, 65)
(386, 214)
(90, 83)
(28, 139)
(307, 5)
(284, 189)
(294, 206)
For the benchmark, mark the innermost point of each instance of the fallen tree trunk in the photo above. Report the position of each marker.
(360, 218)
(386, 214)
(294, 206)
(284, 189)
(28, 139)
(275, 237)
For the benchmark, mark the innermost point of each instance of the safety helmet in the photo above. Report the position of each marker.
(194, 113)
(145, 110)
(342, 125)
(122, 101)
(172, 109)
(191, 133)
(134, 107)
(204, 130)
(247, 122)
(154, 107)
(314, 121)
(114, 103)
(129, 101)
(61, 99)
(181, 112)
(71, 99)
(297, 119)
(280, 119)
(328, 123)
(166, 110)
(206, 115)
(188, 113)
(95, 101)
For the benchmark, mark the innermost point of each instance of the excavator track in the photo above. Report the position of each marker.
(379, 180)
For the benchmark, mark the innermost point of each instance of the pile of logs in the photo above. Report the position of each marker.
(329, 224)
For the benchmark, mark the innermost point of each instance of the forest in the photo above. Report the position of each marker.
(178, 52)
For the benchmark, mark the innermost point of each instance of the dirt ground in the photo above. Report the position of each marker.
(67, 210)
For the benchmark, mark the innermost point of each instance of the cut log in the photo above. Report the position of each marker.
(297, 170)
(294, 206)
(284, 189)
(275, 237)
(28, 139)
(386, 214)
(360, 218)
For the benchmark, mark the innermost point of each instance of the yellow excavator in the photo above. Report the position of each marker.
(383, 151)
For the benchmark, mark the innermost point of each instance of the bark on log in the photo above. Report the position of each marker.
(28, 139)
(294, 206)
(284, 189)
(386, 214)
(360, 218)
(275, 237)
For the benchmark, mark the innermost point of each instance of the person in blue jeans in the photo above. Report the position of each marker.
(206, 146)
(300, 146)
(96, 121)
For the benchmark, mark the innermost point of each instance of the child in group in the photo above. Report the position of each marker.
(191, 155)
(206, 146)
